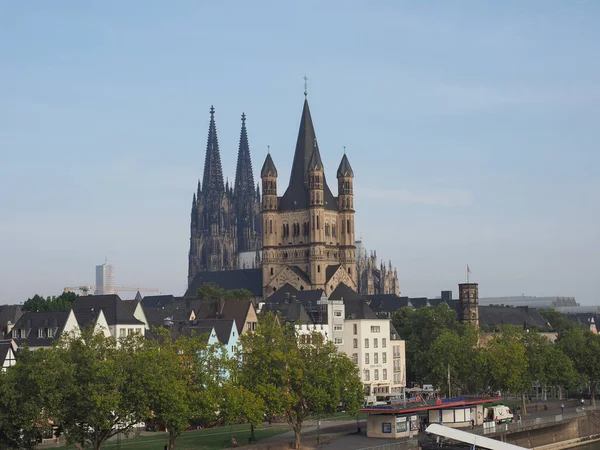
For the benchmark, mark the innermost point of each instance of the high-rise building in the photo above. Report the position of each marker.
(105, 279)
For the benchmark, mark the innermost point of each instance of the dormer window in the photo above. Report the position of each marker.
(40, 332)
(50, 332)
(15, 333)
(23, 333)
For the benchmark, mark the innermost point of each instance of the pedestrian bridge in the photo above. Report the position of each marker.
(469, 438)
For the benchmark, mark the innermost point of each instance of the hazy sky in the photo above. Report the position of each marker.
(472, 128)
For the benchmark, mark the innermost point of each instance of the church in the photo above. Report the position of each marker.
(304, 238)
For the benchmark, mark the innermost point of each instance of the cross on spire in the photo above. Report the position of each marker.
(305, 86)
(212, 111)
(243, 118)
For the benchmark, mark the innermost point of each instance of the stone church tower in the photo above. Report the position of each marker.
(308, 234)
(224, 220)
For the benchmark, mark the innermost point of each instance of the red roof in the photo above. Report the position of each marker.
(456, 404)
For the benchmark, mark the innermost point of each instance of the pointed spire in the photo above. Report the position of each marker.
(194, 210)
(244, 176)
(315, 162)
(345, 170)
(199, 188)
(138, 296)
(268, 168)
(304, 148)
(258, 191)
(213, 172)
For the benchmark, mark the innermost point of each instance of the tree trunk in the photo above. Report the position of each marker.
(252, 438)
(593, 393)
(297, 429)
(172, 439)
(523, 404)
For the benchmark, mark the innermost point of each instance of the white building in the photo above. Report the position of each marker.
(105, 280)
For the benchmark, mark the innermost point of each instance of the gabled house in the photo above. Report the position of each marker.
(9, 315)
(120, 320)
(135, 307)
(224, 330)
(8, 349)
(93, 319)
(41, 329)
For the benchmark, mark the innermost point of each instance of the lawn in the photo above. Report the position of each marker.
(209, 439)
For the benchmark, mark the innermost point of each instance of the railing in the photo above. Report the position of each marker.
(519, 425)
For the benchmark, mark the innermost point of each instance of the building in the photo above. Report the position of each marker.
(225, 219)
(118, 316)
(8, 349)
(374, 279)
(468, 303)
(308, 233)
(531, 301)
(41, 329)
(105, 279)
(9, 315)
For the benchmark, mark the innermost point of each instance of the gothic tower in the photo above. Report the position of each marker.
(308, 236)
(212, 226)
(246, 204)
(468, 303)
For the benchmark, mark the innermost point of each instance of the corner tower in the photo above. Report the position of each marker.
(302, 243)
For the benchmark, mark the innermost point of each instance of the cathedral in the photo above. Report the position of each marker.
(304, 238)
(374, 279)
(225, 221)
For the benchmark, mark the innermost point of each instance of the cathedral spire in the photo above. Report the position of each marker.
(213, 172)
(244, 178)
(306, 142)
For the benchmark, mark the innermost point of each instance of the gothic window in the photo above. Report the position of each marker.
(271, 226)
(347, 225)
(313, 222)
(318, 223)
(326, 229)
(319, 269)
(306, 229)
(333, 230)
(271, 271)
(349, 271)
(265, 226)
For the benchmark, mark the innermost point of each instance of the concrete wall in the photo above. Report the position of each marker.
(399, 426)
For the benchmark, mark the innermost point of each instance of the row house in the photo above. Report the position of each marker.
(9, 315)
(345, 318)
(8, 349)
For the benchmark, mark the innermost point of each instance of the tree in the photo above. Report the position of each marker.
(583, 349)
(105, 392)
(184, 385)
(558, 321)
(297, 380)
(210, 291)
(62, 302)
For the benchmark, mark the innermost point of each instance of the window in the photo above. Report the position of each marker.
(366, 358)
(383, 342)
(366, 342)
(376, 374)
(15, 333)
(355, 343)
(333, 230)
(23, 333)
(338, 341)
(397, 379)
(396, 351)
(348, 226)
(129, 331)
(338, 328)
(385, 374)
(375, 358)
(397, 366)
(375, 329)
(122, 332)
(355, 328)
(367, 375)
(326, 229)
(40, 332)
(319, 268)
(375, 343)
(318, 227)
(355, 358)
(337, 313)
(271, 271)
(384, 358)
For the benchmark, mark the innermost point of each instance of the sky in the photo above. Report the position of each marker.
(472, 128)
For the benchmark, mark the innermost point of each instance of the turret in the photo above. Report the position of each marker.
(345, 176)
(268, 174)
(270, 239)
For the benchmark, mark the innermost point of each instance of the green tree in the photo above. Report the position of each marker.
(297, 380)
(30, 394)
(62, 302)
(184, 381)
(583, 349)
(558, 321)
(211, 291)
(105, 393)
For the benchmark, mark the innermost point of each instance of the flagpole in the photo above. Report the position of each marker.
(468, 271)
(449, 391)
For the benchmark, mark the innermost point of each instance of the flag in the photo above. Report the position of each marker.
(468, 269)
(448, 372)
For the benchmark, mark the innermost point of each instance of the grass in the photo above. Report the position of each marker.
(208, 439)
(342, 416)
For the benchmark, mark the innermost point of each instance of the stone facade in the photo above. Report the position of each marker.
(225, 220)
(308, 234)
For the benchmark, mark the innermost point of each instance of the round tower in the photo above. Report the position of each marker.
(268, 174)
(346, 239)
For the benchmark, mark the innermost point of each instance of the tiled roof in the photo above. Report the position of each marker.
(221, 326)
(131, 305)
(115, 311)
(31, 322)
(8, 313)
(520, 316)
(5, 346)
(291, 312)
(330, 271)
(355, 306)
(250, 279)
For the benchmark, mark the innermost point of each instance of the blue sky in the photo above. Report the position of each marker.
(472, 128)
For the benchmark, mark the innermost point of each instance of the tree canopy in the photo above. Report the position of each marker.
(51, 303)
(210, 291)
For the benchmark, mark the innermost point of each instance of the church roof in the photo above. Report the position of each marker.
(521, 316)
(315, 162)
(296, 195)
(268, 168)
(250, 279)
(345, 170)
(330, 271)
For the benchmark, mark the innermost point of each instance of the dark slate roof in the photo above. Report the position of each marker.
(8, 313)
(492, 316)
(330, 271)
(418, 302)
(138, 296)
(394, 335)
(5, 346)
(296, 195)
(315, 163)
(33, 321)
(250, 279)
(228, 309)
(222, 327)
(345, 170)
(156, 301)
(386, 303)
(301, 273)
(268, 168)
(131, 305)
(115, 311)
(343, 292)
(282, 291)
(177, 310)
(291, 312)
(87, 318)
(182, 328)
